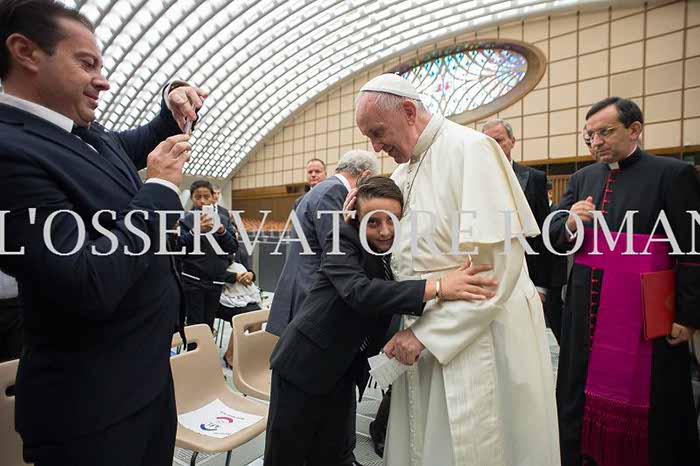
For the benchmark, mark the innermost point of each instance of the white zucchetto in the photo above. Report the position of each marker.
(392, 84)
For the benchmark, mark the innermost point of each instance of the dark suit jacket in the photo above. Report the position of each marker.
(297, 201)
(534, 184)
(223, 211)
(208, 266)
(298, 271)
(97, 328)
(559, 268)
(349, 301)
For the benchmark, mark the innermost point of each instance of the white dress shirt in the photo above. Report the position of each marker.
(345, 181)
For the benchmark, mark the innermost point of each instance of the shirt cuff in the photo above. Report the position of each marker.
(167, 89)
(541, 290)
(569, 235)
(165, 183)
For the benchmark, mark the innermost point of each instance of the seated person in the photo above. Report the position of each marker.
(203, 273)
(322, 355)
(239, 295)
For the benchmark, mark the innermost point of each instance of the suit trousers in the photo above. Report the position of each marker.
(201, 301)
(310, 430)
(146, 438)
(11, 333)
(553, 308)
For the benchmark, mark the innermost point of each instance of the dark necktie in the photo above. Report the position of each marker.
(102, 148)
(388, 275)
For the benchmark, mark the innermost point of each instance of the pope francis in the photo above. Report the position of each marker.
(480, 391)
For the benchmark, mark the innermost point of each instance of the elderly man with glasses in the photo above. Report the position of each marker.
(623, 394)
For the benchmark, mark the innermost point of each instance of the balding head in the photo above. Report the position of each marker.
(392, 123)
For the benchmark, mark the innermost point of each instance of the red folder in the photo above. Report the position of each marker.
(659, 302)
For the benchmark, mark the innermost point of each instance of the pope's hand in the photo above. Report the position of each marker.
(184, 102)
(405, 347)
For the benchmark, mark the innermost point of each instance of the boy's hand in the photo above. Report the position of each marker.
(465, 283)
(206, 223)
(349, 204)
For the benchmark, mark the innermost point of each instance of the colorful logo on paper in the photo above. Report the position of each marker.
(213, 426)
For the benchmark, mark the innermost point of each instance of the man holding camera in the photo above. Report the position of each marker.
(94, 383)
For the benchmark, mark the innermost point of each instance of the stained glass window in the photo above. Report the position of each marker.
(462, 81)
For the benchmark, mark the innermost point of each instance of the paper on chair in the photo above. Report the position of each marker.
(217, 420)
(385, 370)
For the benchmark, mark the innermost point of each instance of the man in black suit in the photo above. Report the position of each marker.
(554, 305)
(94, 385)
(638, 195)
(322, 355)
(534, 185)
(203, 271)
(299, 268)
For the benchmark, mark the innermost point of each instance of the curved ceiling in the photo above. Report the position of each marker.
(261, 60)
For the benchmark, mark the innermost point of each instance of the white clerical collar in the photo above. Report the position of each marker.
(425, 140)
(616, 165)
(344, 180)
(47, 114)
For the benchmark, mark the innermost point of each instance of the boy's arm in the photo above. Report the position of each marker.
(227, 239)
(186, 237)
(357, 290)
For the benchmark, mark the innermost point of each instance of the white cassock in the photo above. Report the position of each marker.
(482, 393)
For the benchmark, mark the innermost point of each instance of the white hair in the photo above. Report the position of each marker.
(356, 162)
(385, 101)
(496, 122)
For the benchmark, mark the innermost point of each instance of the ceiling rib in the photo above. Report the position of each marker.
(262, 60)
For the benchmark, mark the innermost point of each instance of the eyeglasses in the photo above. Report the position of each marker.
(603, 133)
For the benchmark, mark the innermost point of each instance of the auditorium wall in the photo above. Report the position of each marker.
(650, 53)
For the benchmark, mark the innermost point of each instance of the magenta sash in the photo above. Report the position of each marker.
(616, 413)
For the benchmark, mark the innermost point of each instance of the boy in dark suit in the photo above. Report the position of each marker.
(203, 274)
(322, 355)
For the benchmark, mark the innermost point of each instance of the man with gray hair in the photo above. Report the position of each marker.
(299, 269)
(480, 386)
